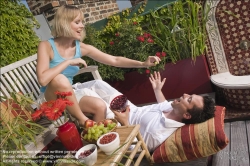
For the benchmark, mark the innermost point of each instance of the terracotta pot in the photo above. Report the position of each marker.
(183, 77)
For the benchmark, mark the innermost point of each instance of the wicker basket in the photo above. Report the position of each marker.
(94, 141)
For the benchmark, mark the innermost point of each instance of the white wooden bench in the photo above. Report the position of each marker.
(21, 77)
(228, 81)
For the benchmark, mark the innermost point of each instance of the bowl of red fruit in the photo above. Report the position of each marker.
(109, 142)
(119, 103)
(87, 154)
(93, 131)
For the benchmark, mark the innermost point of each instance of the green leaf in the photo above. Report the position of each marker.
(15, 15)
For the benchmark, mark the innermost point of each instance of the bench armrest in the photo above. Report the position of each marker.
(93, 70)
(228, 81)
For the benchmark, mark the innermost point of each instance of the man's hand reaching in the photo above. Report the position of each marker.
(157, 85)
(156, 81)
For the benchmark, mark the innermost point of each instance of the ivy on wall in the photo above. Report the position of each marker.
(17, 37)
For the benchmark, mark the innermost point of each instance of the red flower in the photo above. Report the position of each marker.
(56, 111)
(135, 23)
(36, 115)
(147, 71)
(150, 40)
(117, 34)
(163, 54)
(141, 38)
(67, 102)
(147, 35)
(53, 109)
(62, 94)
(111, 43)
(158, 54)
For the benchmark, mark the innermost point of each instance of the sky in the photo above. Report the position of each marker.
(122, 4)
(25, 3)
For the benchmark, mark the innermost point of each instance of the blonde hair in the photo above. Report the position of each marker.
(62, 19)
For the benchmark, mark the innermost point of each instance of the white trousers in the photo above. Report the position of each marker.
(99, 89)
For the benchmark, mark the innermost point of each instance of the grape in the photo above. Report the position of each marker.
(92, 130)
(105, 130)
(101, 126)
(93, 133)
(96, 135)
(97, 130)
(89, 136)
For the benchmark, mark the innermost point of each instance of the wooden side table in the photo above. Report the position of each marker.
(127, 136)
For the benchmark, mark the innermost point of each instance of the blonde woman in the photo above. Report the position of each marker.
(59, 60)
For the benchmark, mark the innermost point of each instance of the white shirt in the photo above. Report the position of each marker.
(155, 128)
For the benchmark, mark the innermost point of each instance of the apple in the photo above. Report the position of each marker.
(99, 123)
(106, 122)
(89, 123)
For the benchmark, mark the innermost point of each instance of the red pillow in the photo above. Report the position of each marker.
(194, 140)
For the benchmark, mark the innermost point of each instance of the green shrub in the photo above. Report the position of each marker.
(18, 39)
(123, 36)
(177, 30)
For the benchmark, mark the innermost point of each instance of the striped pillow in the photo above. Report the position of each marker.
(194, 140)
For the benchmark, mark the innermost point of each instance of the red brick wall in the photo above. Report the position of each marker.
(93, 10)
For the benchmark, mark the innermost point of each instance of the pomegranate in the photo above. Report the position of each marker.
(86, 153)
(119, 103)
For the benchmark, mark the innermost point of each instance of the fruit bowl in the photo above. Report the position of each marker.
(109, 142)
(119, 103)
(87, 154)
(92, 133)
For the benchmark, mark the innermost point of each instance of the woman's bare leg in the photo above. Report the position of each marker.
(62, 84)
(95, 106)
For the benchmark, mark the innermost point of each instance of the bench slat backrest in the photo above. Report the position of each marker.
(20, 77)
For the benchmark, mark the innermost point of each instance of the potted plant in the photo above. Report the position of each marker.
(17, 130)
(125, 37)
(178, 33)
(180, 29)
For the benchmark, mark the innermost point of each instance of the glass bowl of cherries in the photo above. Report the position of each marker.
(119, 103)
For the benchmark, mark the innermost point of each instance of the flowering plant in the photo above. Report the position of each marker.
(53, 109)
(128, 40)
(172, 32)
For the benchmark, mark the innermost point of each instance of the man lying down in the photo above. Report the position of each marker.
(157, 121)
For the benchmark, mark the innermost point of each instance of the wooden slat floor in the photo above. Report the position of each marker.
(237, 151)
